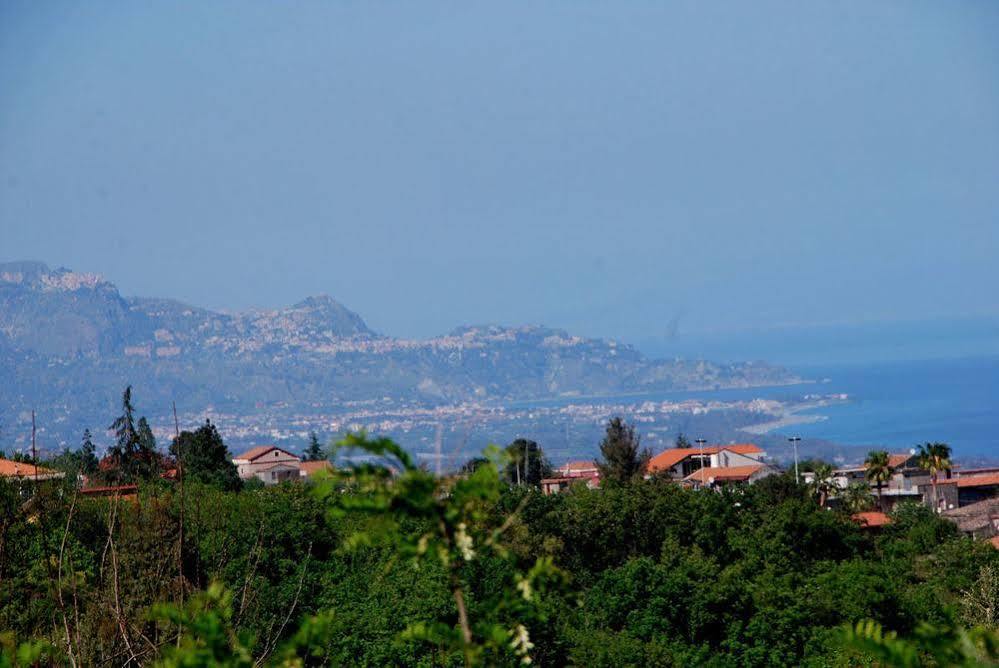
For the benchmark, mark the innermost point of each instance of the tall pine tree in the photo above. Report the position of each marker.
(133, 454)
(88, 454)
(622, 460)
(314, 452)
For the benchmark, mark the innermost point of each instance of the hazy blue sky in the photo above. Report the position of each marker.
(613, 168)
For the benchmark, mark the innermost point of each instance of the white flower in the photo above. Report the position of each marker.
(521, 643)
(464, 542)
(524, 585)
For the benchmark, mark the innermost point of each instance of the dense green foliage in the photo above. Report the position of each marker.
(526, 463)
(621, 458)
(314, 451)
(205, 458)
(385, 564)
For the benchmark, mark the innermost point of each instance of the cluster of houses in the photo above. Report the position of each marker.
(267, 463)
(968, 497)
(697, 468)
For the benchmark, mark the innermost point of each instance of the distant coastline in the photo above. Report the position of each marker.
(794, 415)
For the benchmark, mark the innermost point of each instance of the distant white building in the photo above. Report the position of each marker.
(269, 464)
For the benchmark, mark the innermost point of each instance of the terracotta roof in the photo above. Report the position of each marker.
(110, 490)
(985, 480)
(260, 451)
(667, 459)
(11, 469)
(896, 460)
(995, 542)
(578, 466)
(311, 468)
(724, 473)
(871, 519)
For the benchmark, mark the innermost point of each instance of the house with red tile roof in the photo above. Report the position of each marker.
(269, 464)
(974, 486)
(311, 469)
(570, 473)
(712, 477)
(871, 519)
(680, 463)
(21, 471)
(908, 482)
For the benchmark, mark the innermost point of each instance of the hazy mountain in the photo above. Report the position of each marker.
(70, 341)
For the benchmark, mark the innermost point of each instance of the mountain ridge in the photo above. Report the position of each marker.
(72, 341)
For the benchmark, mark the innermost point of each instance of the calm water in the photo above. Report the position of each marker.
(893, 404)
(901, 404)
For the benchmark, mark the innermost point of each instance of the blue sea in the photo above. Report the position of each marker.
(897, 404)
(901, 404)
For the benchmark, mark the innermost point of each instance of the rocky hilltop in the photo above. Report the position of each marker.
(70, 341)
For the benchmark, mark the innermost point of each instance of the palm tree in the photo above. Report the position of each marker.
(878, 471)
(856, 497)
(823, 483)
(935, 457)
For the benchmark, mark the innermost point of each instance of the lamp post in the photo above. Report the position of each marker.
(700, 444)
(794, 444)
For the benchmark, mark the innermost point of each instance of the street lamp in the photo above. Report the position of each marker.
(700, 444)
(794, 443)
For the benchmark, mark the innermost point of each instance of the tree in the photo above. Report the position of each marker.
(980, 604)
(526, 464)
(856, 497)
(126, 446)
(935, 457)
(823, 483)
(147, 442)
(878, 471)
(205, 457)
(88, 454)
(133, 455)
(449, 525)
(314, 452)
(472, 465)
(681, 441)
(621, 459)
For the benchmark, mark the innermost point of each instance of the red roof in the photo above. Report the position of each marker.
(894, 461)
(11, 469)
(724, 473)
(578, 466)
(312, 468)
(995, 542)
(986, 480)
(871, 519)
(667, 459)
(261, 450)
(110, 490)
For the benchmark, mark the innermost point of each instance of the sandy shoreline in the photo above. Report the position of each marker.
(793, 415)
(787, 420)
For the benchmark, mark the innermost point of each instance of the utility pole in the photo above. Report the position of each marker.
(180, 530)
(700, 444)
(34, 452)
(794, 444)
(437, 447)
(527, 461)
